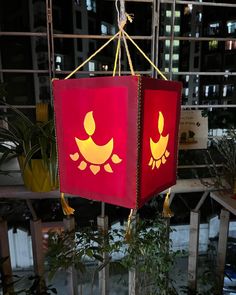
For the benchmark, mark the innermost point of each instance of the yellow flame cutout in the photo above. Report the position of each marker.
(159, 149)
(95, 155)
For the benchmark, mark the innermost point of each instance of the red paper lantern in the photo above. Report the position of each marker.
(117, 137)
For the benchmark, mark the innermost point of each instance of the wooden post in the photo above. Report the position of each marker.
(38, 255)
(222, 244)
(37, 246)
(193, 249)
(71, 273)
(5, 268)
(102, 223)
(133, 282)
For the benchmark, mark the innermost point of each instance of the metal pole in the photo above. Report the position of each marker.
(155, 35)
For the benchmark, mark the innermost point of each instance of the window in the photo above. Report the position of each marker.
(213, 29)
(175, 57)
(79, 45)
(212, 45)
(104, 29)
(92, 47)
(176, 42)
(177, 29)
(228, 90)
(196, 62)
(77, 2)
(91, 26)
(230, 45)
(177, 13)
(168, 28)
(211, 91)
(167, 43)
(91, 5)
(91, 67)
(167, 57)
(58, 62)
(78, 20)
(231, 27)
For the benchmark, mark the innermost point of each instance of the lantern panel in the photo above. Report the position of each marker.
(96, 130)
(161, 111)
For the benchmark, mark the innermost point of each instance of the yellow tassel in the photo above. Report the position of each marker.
(129, 229)
(167, 213)
(67, 210)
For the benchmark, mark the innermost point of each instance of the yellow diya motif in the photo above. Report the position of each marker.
(159, 149)
(95, 156)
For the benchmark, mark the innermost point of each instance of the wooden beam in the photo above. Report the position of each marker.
(193, 249)
(71, 273)
(102, 223)
(5, 268)
(225, 199)
(222, 245)
(201, 201)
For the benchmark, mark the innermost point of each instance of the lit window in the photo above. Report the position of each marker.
(91, 67)
(166, 69)
(213, 44)
(168, 28)
(177, 29)
(91, 5)
(104, 29)
(167, 56)
(175, 70)
(230, 45)
(105, 67)
(176, 42)
(186, 91)
(187, 78)
(167, 43)
(225, 90)
(213, 28)
(231, 27)
(168, 13)
(177, 13)
(175, 57)
(200, 17)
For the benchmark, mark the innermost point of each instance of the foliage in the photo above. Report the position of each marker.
(24, 137)
(37, 286)
(222, 160)
(147, 251)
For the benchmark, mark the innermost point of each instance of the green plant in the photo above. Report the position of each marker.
(146, 251)
(22, 136)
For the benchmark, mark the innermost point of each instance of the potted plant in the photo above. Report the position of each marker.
(33, 143)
